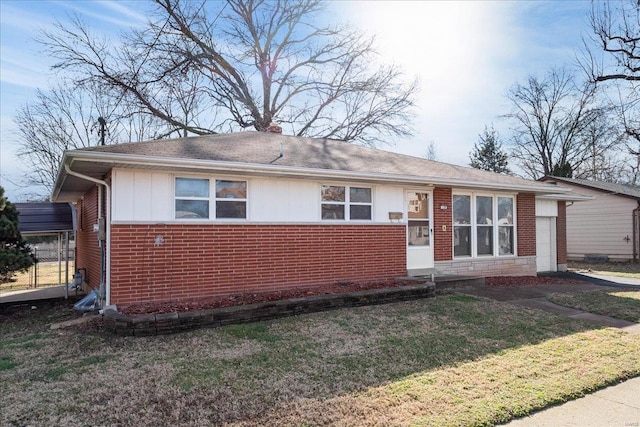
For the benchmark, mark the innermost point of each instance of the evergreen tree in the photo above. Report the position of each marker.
(487, 154)
(14, 252)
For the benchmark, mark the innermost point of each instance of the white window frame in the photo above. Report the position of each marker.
(216, 199)
(494, 224)
(191, 198)
(211, 198)
(346, 205)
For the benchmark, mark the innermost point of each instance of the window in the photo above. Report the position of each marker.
(418, 228)
(462, 225)
(346, 203)
(484, 225)
(193, 199)
(231, 199)
(505, 226)
(489, 232)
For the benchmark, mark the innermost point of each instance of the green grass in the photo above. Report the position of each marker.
(623, 305)
(7, 362)
(446, 361)
(619, 269)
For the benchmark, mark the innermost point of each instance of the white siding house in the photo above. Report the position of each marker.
(604, 225)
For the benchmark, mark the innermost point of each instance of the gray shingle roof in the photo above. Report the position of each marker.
(264, 149)
(632, 191)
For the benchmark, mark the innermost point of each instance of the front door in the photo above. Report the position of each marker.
(419, 232)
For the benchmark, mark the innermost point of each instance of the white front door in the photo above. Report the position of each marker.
(419, 232)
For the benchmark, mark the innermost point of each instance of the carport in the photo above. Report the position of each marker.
(41, 219)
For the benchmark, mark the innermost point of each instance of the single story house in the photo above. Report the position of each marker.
(605, 226)
(252, 212)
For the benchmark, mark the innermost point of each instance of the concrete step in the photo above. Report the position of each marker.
(444, 283)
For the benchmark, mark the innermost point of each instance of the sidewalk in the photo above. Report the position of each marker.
(615, 406)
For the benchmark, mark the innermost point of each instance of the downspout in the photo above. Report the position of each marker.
(105, 288)
(636, 227)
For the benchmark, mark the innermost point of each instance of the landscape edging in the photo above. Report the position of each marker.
(168, 323)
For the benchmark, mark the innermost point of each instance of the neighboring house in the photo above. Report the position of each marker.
(606, 225)
(253, 212)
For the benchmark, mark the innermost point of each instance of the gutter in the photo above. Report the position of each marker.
(292, 171)
(105, 279)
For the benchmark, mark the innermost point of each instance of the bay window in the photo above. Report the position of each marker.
(490, 231)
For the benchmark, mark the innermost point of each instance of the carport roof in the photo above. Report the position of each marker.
(45, 217)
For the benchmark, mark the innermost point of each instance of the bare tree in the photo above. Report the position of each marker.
(612, 55)
(553, 122)
(65, 118)
(245, 64)
(616, 34)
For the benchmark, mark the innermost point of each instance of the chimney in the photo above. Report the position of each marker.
(274, 128)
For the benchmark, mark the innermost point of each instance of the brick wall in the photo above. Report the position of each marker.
(561, 236)
(87, 248)
(442, 239)
(176, 261)
(526, 223)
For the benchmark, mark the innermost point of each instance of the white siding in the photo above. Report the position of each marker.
(144, 196)
(600, 226)
(141, 196)
(546, 207)
(387, 199)
(279, 200)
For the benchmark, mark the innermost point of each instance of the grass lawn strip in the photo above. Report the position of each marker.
(620, 269)
(451, 360)
(620, 305)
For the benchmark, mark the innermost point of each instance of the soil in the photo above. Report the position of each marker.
(344, 287)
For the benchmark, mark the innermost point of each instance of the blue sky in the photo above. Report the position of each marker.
(466, 55)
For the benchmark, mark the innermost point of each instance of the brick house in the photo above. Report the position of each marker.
(252, 212)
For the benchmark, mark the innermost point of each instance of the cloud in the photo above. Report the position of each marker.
(109, 12)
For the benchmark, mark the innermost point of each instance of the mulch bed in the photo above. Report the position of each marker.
(344, 287)
(253, 298)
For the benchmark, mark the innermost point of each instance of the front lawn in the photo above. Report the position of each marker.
(452, 360)
(623, 305)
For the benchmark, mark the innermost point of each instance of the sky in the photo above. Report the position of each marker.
(466, 55)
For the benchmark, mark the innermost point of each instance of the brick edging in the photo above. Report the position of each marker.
(168, 323)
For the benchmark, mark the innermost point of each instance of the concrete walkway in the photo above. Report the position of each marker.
(615, 406)
(51, 292)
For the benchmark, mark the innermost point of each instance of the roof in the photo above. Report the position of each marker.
(625, 190)
(259, 153)
(45, 217)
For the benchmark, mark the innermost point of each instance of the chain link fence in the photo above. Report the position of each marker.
(49, 270)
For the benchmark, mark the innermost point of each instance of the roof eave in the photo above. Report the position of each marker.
(199, 165)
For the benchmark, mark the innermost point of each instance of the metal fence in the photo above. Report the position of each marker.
(49, 270)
